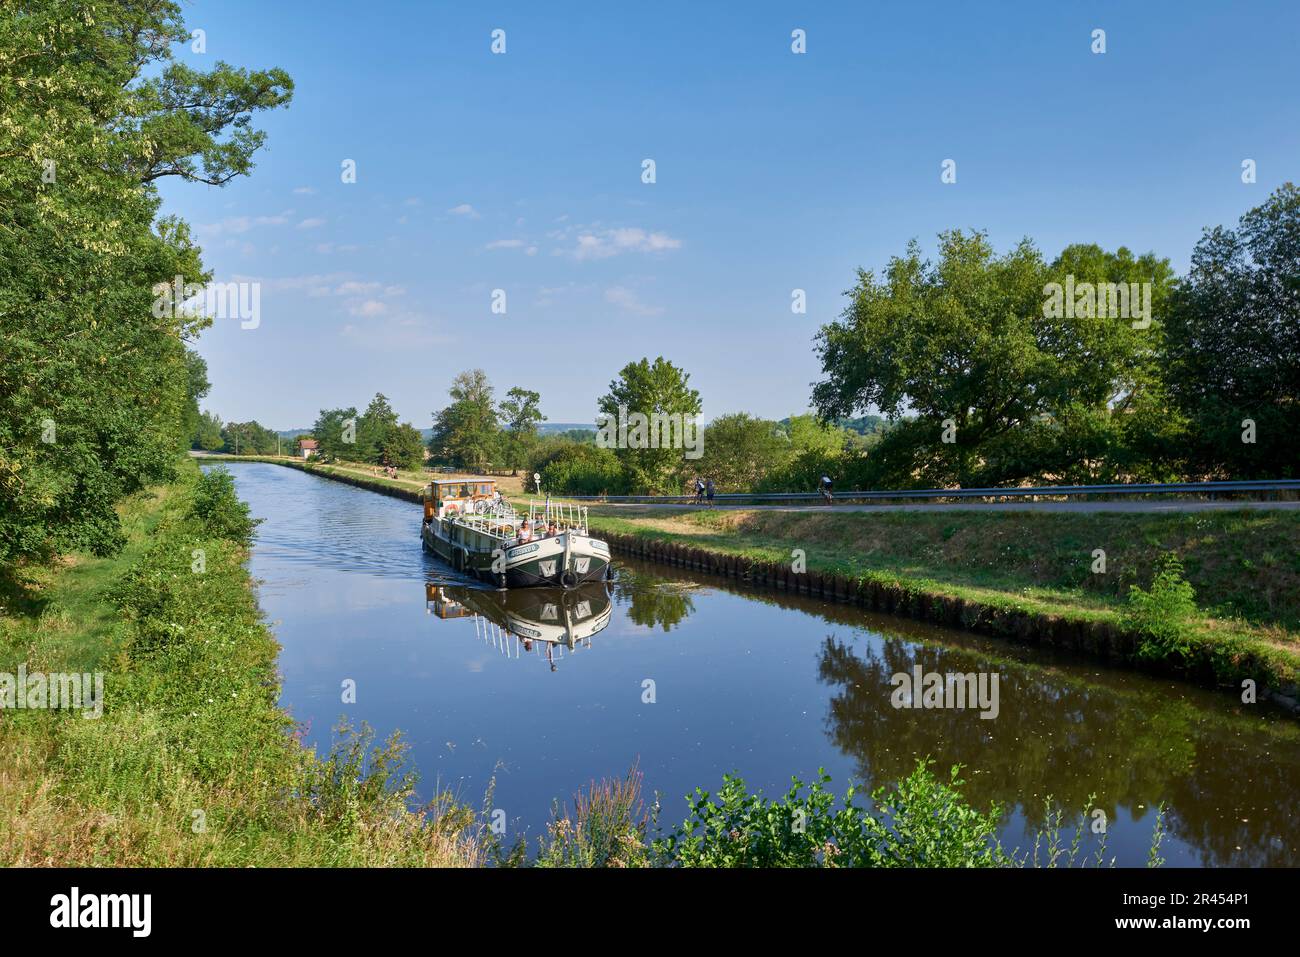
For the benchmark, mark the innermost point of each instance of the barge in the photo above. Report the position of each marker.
(471, 527)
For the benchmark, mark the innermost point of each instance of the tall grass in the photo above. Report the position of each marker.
(193, 763)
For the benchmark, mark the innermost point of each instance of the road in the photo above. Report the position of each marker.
(1175, 505)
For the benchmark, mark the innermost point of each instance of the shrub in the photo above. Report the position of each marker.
(921, 822)
(584, 470)
(219, 511)
(1162, 616)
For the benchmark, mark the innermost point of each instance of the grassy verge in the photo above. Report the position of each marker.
(192, 763)
(1243, 568)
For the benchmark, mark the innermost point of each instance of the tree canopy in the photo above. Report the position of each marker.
(1233, 344)
(466, 433)
(97, 392)
(650, 389)
(995, 384)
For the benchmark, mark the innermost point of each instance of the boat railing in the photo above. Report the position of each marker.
(566, 515)
(497, 518)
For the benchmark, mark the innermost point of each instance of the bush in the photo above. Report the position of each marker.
(1162, 616)
(584, 470)
(804, 472)
(922, 822)
(219, 511)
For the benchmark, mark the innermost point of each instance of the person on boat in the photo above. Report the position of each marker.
(708, 491)
(525, 532)
(552, 530)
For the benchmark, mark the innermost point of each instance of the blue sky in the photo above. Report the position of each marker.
(775, 171)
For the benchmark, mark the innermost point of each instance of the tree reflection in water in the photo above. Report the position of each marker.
(651, 600)
(1058, 734)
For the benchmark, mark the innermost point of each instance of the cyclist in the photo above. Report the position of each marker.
(699, 491)
(826, 491)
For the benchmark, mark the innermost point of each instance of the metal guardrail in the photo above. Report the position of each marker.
(1043, 491)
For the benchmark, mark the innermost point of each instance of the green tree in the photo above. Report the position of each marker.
(197, 387)
(374, 431)
(466, 433)
(807, 433)
(583, 470)
(96, 389)
(970, 349)
(653, 461)
(249, 438)
(1233, 344)
(335, 431)
(404, 447)
(208, 435)
(739, 450)
(521, 412)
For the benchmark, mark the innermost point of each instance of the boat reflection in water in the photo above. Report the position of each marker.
(546, 621)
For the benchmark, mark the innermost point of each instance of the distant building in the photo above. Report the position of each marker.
(308, 447)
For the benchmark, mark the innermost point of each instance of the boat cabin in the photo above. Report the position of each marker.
(444, 498)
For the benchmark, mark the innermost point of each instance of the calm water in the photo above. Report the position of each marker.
(766, 686)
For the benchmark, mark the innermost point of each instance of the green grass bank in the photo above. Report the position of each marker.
(192, 763)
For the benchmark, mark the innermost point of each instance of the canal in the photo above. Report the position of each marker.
(691, 677)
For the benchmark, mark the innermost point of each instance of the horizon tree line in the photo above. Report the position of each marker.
(968, 370)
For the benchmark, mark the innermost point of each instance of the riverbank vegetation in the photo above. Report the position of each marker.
(919, 821)
(99, 388)
(192, 762)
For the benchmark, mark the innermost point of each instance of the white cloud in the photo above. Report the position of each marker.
(354, 288)
(464, 209)
(505, 244)
(627, 300)
(335, 284)
(305, 190)
(312, 223)
(368, 308)
(604, 243)
(317, 284)
(242, 224)
(393, 333)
